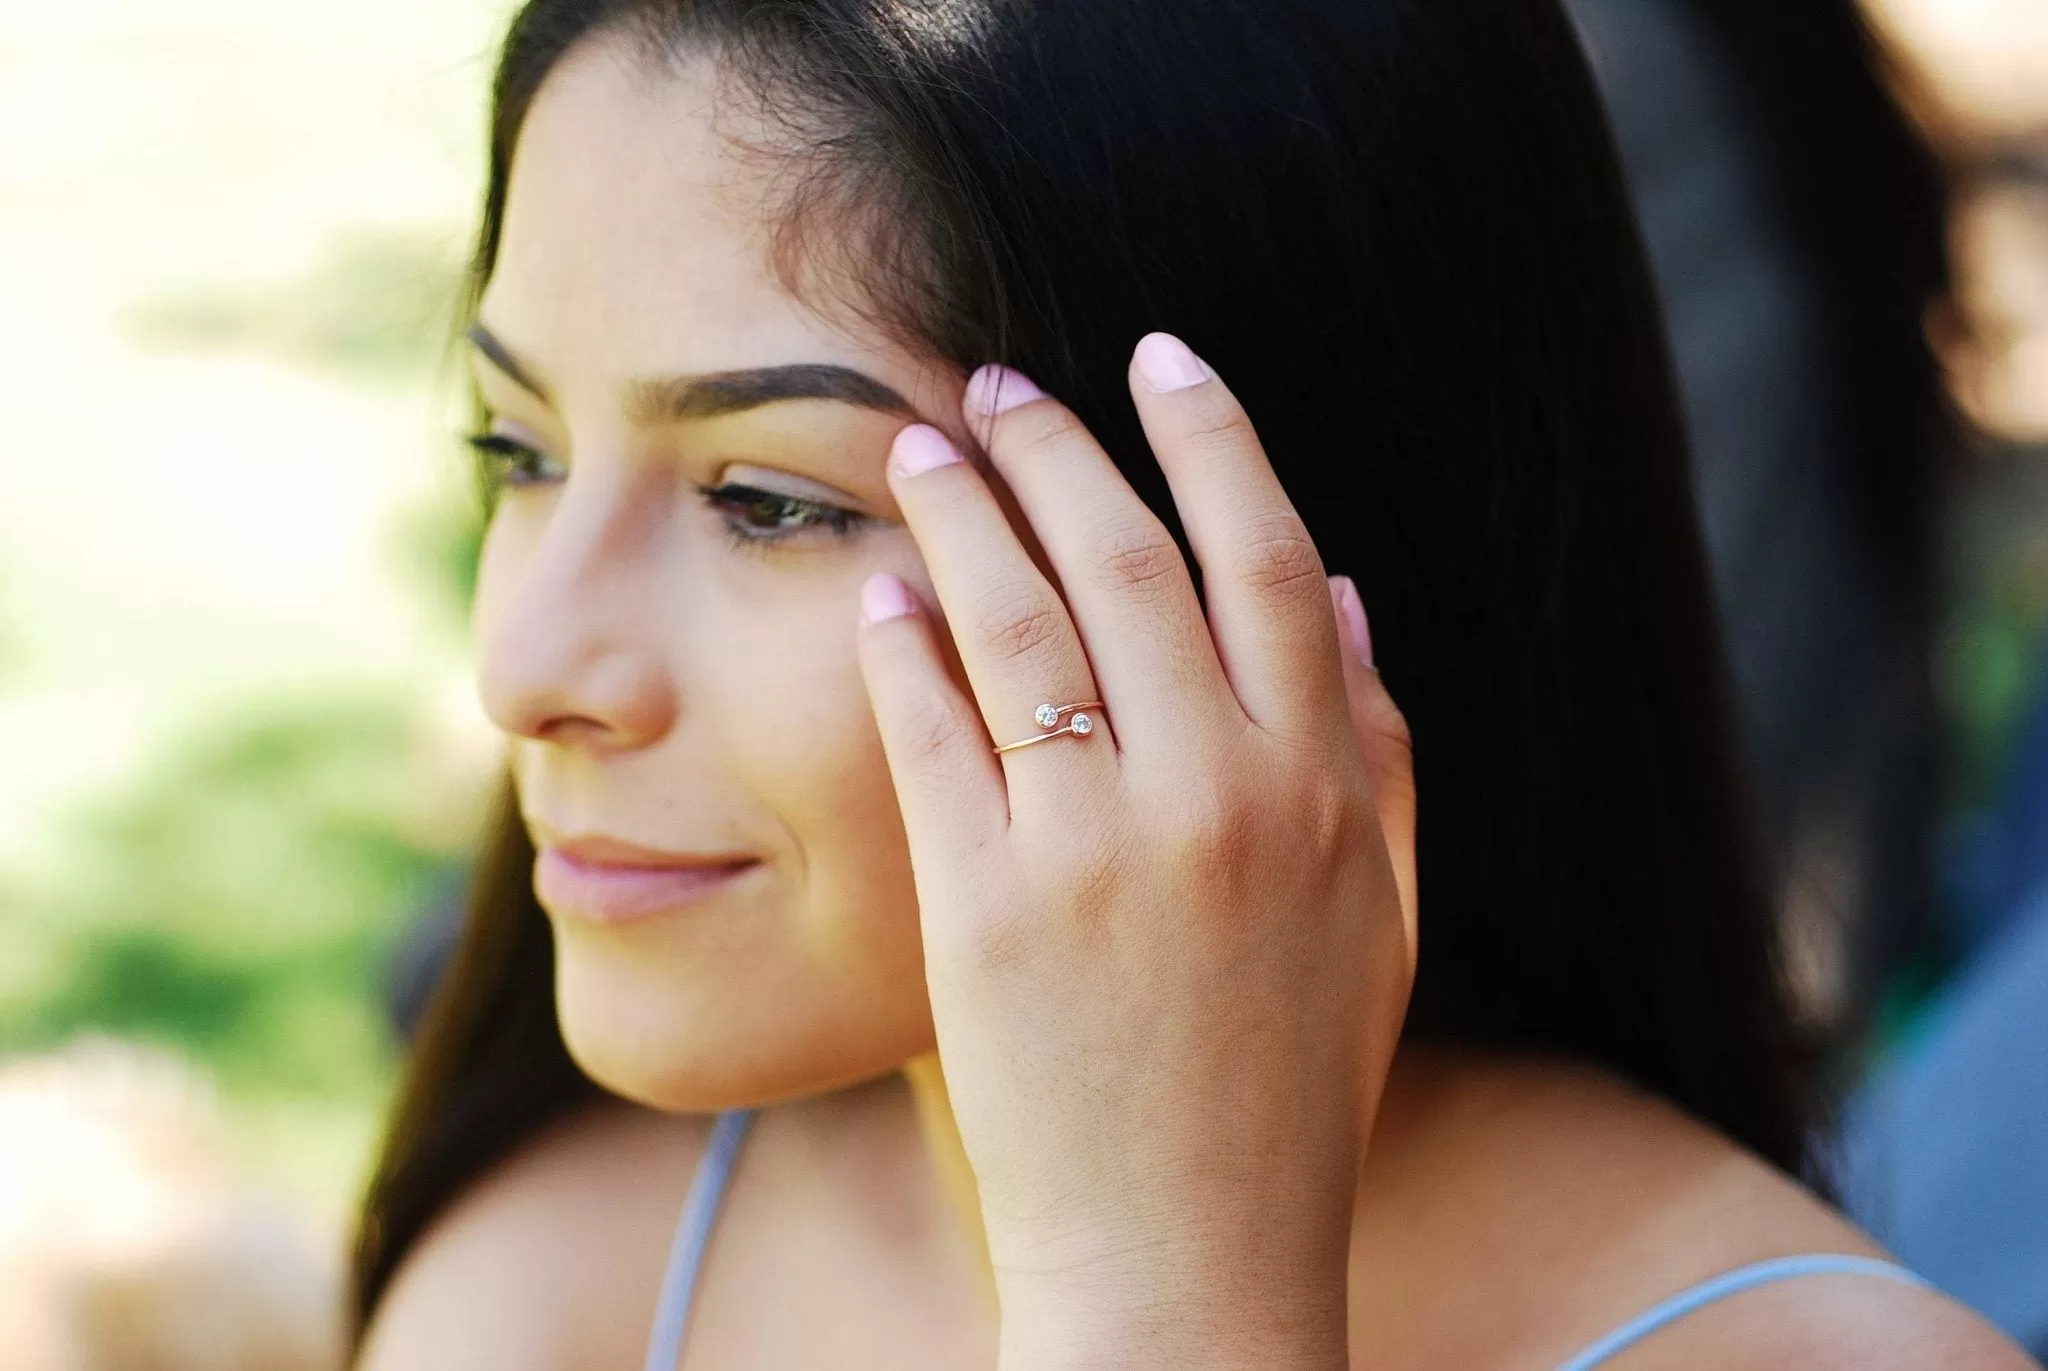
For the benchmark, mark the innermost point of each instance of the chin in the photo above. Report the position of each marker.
(707, 1038)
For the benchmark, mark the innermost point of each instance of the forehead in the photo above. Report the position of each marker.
(636, 238)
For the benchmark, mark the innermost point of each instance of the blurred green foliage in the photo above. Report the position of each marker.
(1994, 666)
(437, 548)
(239, 903)
(1992, 656)
(238, 896)
(375, 306)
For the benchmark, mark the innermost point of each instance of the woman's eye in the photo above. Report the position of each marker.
(752, 514)
(509, 462)
(762, 516)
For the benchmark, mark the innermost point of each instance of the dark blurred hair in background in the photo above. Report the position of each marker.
(1799, 228)
(1797, 222)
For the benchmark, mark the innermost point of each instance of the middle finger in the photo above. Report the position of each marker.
(1014, 635)
(1133, 600)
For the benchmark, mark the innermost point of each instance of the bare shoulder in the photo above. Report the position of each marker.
(1831, 1323)
(1563, 1203)
(552, 1260)
(1704, 1206)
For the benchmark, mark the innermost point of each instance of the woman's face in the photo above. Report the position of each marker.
(693, 493)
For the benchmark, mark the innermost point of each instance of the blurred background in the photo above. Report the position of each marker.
(241, 752)
(243, 763)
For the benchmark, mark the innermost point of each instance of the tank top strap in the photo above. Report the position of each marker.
(693, 1237)
(1730, 1283)
(714, 1175)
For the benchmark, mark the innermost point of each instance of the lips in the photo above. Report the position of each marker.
(608, 882)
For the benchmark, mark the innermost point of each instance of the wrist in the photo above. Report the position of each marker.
(1188, 1323)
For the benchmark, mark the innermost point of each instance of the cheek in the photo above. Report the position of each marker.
(797, 734)
(796, 729)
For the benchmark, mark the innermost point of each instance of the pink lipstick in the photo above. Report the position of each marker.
(604, 880)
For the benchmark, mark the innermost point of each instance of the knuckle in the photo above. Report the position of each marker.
(1220, 425)
(1277, 558)
(929, 731)
(1031, 430)
(1221, 838)
(1228, 846)
(1326, 817)
(1212, 836)
(1139, 558)
(1019, 626)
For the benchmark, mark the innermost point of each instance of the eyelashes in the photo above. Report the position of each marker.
(754, 517)
(509, 463)
(765, 516)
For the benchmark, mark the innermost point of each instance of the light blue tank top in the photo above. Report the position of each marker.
(714, 1173)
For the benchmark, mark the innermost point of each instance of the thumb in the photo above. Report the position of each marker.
(1383, 739)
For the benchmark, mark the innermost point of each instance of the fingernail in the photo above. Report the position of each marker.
(921, 448)
(885, 597)
(1164, 363)
(997, 390)
(1353, 610)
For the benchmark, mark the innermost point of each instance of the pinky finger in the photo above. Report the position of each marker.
(1383, 739)
(948, 784)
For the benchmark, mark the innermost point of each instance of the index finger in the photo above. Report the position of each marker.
(1269, 600)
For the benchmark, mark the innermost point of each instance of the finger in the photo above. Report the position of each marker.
(1013, 633)
(947, 782)
(1383, 738)
(1268, 596)
(1125, 581)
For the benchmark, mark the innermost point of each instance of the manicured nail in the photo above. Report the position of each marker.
(997, 390)
(885, 597)
(1353, 610)
(1164, 363)
(921, 448)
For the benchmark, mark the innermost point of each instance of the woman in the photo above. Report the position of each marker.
(742, 266)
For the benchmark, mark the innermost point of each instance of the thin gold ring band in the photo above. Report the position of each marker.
(1049, 716)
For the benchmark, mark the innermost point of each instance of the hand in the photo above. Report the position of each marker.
(1168, 961)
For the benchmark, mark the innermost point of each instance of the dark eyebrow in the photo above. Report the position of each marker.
(669, 398)
(729, 392)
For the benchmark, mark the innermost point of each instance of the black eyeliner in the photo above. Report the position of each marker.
(732, 497)
(502, 453)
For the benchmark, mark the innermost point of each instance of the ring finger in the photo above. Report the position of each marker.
(1013, 632)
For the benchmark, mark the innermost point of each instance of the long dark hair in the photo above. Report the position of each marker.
(1398, 228)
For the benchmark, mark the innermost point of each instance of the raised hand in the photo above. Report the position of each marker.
(1168, 955)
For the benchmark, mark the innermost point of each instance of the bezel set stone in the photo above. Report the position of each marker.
(1048, 718)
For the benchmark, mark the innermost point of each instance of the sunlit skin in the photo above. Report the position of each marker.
(667, 671)
(667, 676)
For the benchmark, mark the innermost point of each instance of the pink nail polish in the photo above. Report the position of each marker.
(1165, 363)
(997, 390)
(921, 448)
(1354, 615)
(885, 597)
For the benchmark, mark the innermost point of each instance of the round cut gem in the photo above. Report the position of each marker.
(1047, 717)
(1083, 725)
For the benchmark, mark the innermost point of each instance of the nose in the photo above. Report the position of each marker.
(571, 647)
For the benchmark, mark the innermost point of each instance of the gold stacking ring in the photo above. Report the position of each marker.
(1049, 717)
